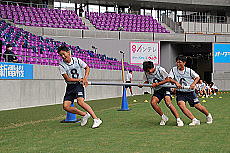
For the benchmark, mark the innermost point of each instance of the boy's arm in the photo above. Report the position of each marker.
(68, 79)
(85, 81)
(146, 81)
(160, 83)
(196, 79)
(193, 85)
(140, 85)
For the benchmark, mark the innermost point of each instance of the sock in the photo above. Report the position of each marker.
(195, 119)
(178, 119)
(209, 115)
(164, 117)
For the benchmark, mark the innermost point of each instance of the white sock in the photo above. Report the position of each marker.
(195, 119)
(209, 115)
(178, 119)
(164, 117)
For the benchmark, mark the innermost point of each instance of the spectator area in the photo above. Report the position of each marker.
(125, 22)
(33, 49)
(42, 17)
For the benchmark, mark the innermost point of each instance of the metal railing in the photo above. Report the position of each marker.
(171, 24)
(26, 4)
(204, 24)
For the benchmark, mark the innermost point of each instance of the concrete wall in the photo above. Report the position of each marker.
(221, 76)
(110, 42)
(48, 87)
(194, 27)
(168, 55)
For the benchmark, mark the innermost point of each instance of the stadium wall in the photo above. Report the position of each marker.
(48, 88)
(110, 42)
(221, 76)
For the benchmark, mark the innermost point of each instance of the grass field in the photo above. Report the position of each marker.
(38, 129)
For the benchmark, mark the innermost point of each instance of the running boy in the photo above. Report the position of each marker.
(71, 70)
(187, 77)
(157, 75)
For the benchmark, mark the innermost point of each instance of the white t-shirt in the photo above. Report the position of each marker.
(185, 77)
(157, 76)
(129, 76)
(73, 69)
(214, 87)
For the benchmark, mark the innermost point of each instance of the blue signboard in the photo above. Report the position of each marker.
(16, 71)
(221, 53)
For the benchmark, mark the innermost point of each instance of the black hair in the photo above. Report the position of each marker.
(181, 58)
(211, 84)
(147, 65)
(130, 71)
(62, 48)
(8, 45)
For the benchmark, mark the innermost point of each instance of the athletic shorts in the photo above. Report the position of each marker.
(161, 93)
(128, 86)
(74, 91)
(189, 97)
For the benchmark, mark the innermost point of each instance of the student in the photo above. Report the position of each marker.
(200, 86)
(9, 54)
(207, 89)
(214, 88)
(157, 75)
(187, 77)
(129, 78)
(71, 70)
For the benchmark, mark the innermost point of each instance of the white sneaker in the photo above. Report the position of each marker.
(85, 119)
(214, 94)
(195, 122)
(180, 122)
(96, 122)
(209, 119)
(164, 120)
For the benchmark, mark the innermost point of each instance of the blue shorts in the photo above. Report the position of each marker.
(161, 93)
(189, 97)
(127, 86)
(73, 91)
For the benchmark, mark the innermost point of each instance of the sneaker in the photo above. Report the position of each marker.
(214, 94)
(96, 122)
(180, 122)
(164, 120)
(85, 119)
(209, 119)
(195, 122)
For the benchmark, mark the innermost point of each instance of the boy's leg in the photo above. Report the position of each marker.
(85, 106)
(169, 104)
(185, 110)
(201, 109)
(154, 103)
(67, 107)
(205, 111)
(131, 90)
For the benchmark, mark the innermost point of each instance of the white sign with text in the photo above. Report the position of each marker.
(144, 51)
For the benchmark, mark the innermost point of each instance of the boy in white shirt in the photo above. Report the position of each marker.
(129, 78)
(187, 77)
(157, 75)
(71, 70)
